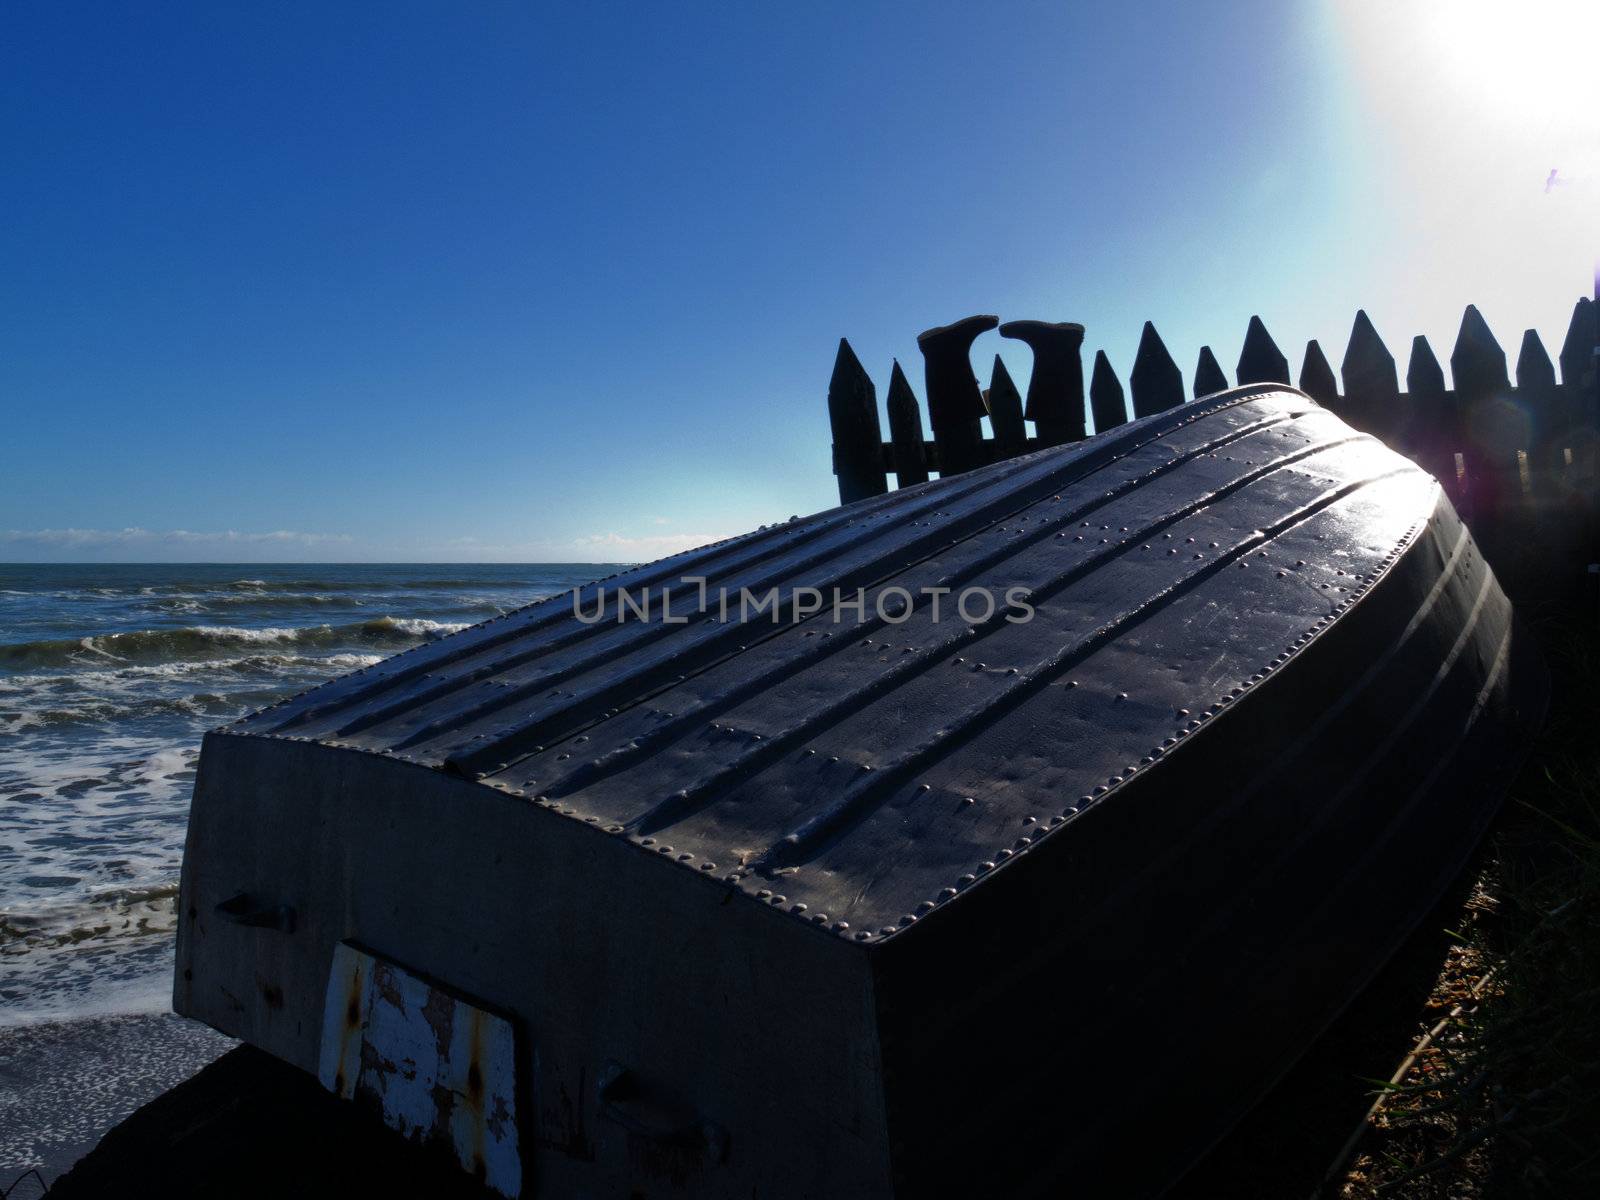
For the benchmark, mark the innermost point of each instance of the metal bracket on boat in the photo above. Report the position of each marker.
(627, 1101)
(245, 909)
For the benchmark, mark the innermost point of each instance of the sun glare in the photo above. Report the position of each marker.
(1480, 126)
(1531, 63)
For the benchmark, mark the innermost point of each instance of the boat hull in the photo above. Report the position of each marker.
(789, 906)
(1134, 995)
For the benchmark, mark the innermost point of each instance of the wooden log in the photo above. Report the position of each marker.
(1055, 389)
(1372, 386)
(1491, 427)
(1316, 377)
(1430, 418)
(1005, 414)
(1208, 376)
(1155, 380)
(1106, 396)
(908, 452)
(955, 406)
(1260, 361)
(857, 436)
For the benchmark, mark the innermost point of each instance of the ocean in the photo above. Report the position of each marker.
(109, 675)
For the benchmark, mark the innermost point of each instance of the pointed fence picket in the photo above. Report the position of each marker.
(1261, 361)
(1208, 376)
(1106, 400)
(1155, 379)
(1516, 449)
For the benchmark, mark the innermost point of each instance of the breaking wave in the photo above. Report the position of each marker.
(359, 585)
(110, 676)
(117, 913)
(280, 586)
(115, 675)
(110, 709)
(198, 588)
(203, 642)
(235, 600)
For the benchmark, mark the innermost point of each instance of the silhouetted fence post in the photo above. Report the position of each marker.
(1371, 400)
(1155, 380)
(1579, 370)
(1105, 395)
(1261, 361)
(909, 453)
(1316, 376)
(1547, 424)
(1208, 376)
(1478, 368)
(1005, 413)
(1522, 463)
(857, 436)
(1432, 419)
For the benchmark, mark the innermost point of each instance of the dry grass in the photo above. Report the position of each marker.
(1503, 1100)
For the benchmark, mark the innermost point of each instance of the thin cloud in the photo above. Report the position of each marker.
(135, 537)
(657, 545)
(610, 547)
(137, 544)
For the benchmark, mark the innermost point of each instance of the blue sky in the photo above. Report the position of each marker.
(506, 281)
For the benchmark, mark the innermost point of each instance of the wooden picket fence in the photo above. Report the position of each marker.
(1520, 461)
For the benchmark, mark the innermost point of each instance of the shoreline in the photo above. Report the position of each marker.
(65, 1082)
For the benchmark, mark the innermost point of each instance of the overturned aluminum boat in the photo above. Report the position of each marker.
(613, 896)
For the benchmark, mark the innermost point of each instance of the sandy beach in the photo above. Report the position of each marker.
(63, 1084)
(242, 1125)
